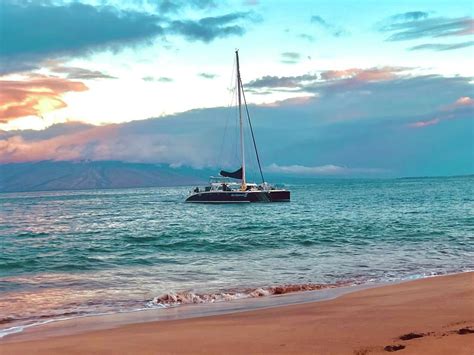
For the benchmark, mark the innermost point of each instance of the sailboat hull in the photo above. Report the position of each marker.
(239, 196)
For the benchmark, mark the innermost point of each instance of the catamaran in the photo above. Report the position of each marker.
(227, 188)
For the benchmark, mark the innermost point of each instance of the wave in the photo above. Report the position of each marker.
(171, 299)
(188, 297)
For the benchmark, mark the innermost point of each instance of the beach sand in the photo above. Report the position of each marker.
(428, 316)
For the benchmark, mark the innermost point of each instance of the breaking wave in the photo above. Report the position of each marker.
(172, 299)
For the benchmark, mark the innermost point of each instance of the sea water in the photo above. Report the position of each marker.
(74, 253)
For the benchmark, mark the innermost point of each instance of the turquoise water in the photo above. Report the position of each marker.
(72, 253)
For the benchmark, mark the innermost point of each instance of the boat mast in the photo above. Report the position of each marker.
(242, 149)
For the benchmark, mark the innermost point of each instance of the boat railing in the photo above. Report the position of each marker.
(221, 180)
(229, 185)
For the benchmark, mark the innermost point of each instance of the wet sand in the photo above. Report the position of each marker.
(428, 316)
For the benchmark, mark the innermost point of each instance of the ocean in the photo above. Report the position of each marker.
(76, 253)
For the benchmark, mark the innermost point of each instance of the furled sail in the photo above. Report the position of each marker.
(234, 174)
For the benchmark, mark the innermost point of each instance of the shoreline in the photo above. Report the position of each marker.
(425, 306)
(243, 303)
(102, 321)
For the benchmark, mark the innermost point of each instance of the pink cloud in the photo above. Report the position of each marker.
(63, 147)
(370, 74)
(339, 74)
(293, 101)
(421, 124)
(462, 107)
(108, 142)
(35, 95)
(464, 101)
(468, 30)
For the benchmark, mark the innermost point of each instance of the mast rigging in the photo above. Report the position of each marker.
(242, 148)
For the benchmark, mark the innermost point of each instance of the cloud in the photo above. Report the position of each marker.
(33, 32)
(327, 79)
(72, 146)
(35, 95)
(382, 93)
(334, 30)
(320, 170)
(402, 28)
(319, 20)
(292, 101)
(161, 79)
(140, 141)
(79, 73)
(250, 2)
(291, 82)
(306, 37)
(363, 126)
(461, 108)
(207, 75)
(409, 16)
(370, 74)
(464, 101)
(290, 57)
(209, 28)
(173, 6)
(442, 46)
(421, 124)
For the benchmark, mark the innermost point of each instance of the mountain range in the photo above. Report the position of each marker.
(79, 175)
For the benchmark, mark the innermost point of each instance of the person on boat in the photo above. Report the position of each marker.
(196, 189)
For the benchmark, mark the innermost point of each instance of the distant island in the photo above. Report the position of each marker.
(83, 175)
(86, 175)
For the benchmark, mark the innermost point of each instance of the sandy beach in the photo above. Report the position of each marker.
(428, 316)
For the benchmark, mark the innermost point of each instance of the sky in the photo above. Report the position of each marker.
(344, 88)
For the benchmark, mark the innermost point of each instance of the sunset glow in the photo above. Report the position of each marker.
(381, 69)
